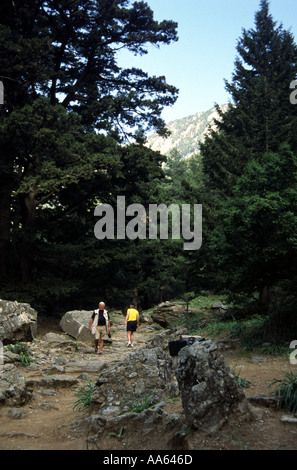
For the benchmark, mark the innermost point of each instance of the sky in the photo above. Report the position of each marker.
(204, 55)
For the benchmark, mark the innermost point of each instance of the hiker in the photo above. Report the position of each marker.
(132, 322)
(100, 326)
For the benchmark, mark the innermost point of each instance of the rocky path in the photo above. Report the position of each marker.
(60, 366)
(48, 420)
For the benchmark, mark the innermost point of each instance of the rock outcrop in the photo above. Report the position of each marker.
(210, 393)
(186, 134)
(18, 322)
(154, 424)
(168, 314)
(141, 374)
(14, 389)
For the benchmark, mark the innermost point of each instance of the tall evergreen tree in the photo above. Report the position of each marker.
(249, 247)
(67, 51)
(260, 116)
(59, 66)
(256, 245)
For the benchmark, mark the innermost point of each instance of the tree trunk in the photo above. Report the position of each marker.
(265, 298)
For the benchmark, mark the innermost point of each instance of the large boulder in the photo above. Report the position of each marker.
(210, 393)
(14, 389)
(18, 322)
(76, 324)
(141, 374)
(168, 313)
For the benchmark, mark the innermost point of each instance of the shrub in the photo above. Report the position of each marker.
(22, 350)
(137, 406)
(84, 396)
(286, 392)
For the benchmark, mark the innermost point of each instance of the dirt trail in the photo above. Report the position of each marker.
(47, 420)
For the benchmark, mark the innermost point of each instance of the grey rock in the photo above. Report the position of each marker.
(50, 381)
(210, 393)
(149, 421)
(14, 389)
(269, 401)
(86, 366)
(142, 373)
(16, 413)
(289, 419)
(76, 324)
(168, 313)
(219, 306)
(10, 357)
(18, 322)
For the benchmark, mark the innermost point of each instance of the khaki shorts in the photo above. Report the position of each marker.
(100, 332)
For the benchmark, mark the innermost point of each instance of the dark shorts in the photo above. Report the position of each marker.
(131, 325)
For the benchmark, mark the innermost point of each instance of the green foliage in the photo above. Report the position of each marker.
(205, 300)
(256, 245)
(23, 351)
(243, 383)
(286, 392)
(25, 359)
(250, 331)
(260, 117)
(119, 435)
(84, 396)
(68, 108)
(274, 349)
(67, 105)
(249, 164)
(137, 406)
(18, 348)
(67, 53)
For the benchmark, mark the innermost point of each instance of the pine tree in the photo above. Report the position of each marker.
(256, 246)
(247, 163)
(59, 59)
(260, 117)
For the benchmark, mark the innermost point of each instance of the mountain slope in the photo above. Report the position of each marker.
(186, 133)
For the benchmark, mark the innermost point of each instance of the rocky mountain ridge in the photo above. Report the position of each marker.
(186, 133)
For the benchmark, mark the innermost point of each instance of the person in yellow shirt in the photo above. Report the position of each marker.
(132, 322)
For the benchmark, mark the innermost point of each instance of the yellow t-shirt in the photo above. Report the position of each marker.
(132, 314)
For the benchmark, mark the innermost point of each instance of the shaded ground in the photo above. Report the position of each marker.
(48, 419)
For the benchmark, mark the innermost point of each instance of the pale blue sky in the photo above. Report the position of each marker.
(204, 56)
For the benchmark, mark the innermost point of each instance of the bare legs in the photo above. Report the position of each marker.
(130, 338)
(101, 345)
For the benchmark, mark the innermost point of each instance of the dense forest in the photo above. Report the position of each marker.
(73, 134)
